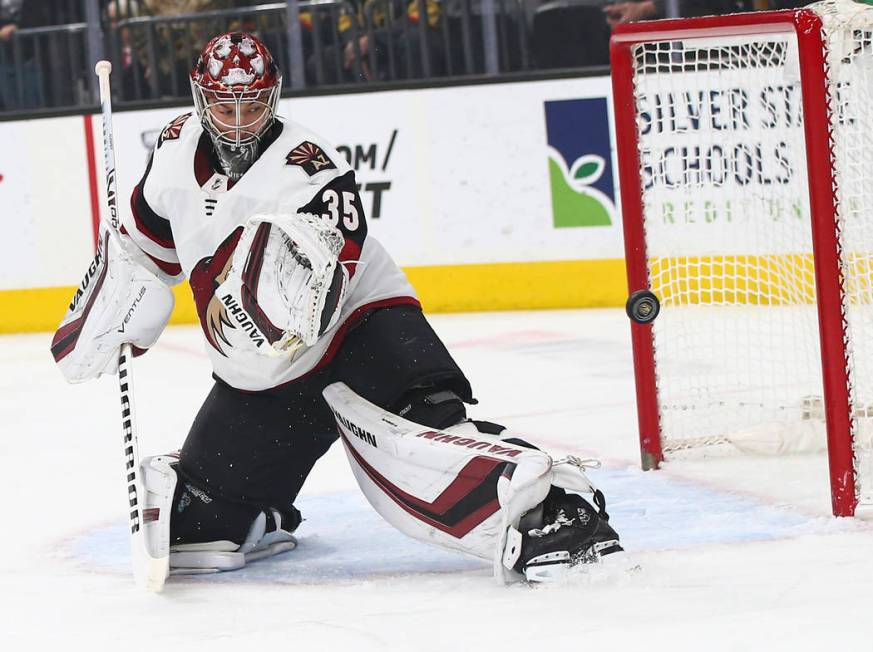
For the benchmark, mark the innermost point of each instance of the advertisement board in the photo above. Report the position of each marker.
(489, 196)
(44, 203)
(475, 174)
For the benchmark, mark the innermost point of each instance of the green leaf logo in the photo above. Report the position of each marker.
(586, 170)
(574, 201)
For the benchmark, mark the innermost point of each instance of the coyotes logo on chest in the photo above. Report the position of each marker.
(221, 314)
(310, 157)
(205, 278)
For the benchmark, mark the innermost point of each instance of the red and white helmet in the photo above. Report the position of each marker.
(235, 69)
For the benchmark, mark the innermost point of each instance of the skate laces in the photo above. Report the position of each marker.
(579, 462)
(560, 521)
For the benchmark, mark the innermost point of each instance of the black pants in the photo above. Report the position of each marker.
(258, 448)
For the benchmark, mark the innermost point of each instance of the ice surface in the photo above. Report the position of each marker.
(734, 553)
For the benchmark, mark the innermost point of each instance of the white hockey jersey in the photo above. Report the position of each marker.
(187, 217)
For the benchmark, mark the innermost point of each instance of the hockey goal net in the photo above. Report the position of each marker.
(746, 154)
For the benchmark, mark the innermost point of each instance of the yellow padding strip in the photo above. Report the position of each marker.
(520, 286)
(442, 288)
(39, 309)
(777, 279)
(185, 311)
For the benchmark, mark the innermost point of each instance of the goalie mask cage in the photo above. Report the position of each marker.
(745, 143)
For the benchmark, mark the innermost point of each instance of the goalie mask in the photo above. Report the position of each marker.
(236, 86)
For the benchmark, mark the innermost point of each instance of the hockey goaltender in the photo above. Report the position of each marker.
(313, 333)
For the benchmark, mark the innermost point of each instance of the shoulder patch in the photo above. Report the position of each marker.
(310, 157)
(173, 130)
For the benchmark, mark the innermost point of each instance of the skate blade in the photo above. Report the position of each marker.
(194, 571)
(558, 566)
(546, 573)
(192, 562)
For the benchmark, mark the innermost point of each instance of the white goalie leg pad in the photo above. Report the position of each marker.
(151, 546)
(458, 489)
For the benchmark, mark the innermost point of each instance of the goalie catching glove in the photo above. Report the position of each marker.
(287, 276)
(119, 301)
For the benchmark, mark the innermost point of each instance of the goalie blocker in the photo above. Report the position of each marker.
(122, 299)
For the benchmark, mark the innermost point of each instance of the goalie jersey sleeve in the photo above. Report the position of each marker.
(151, 232)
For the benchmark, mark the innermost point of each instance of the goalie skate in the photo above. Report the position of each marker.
(563, 532)
(265, 538)
(268, 534)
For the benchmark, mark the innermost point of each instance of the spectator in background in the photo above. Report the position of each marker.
(177, 44)
(184, 40)
(569, 35)
(131, 70)
(387, 30)
(560, 27)
(20, 78)
(627, 12)
(9, 15)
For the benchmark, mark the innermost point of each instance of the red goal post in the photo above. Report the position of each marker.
(707, 150)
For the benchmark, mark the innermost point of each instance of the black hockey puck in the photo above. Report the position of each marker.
(642, 307)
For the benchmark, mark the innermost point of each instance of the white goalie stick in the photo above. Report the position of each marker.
(148, 571)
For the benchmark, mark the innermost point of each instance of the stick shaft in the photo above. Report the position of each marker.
(125, 372)
(148, 571)
(103, 69)
(131, 444)
(125, 354)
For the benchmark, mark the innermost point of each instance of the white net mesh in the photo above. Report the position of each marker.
(726, 218)
(849, 33)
